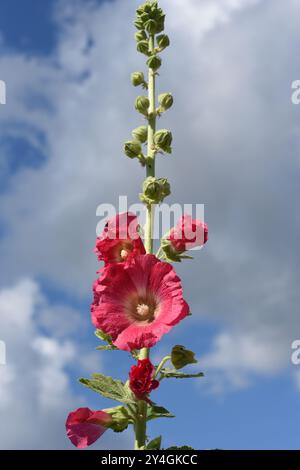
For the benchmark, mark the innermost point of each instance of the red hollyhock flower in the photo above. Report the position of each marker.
(138, 302)
(120, 239)
(187, 234)
(140, 379)
(85, 426)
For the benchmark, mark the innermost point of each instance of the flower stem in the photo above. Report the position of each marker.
(161, 364)
(141, 420)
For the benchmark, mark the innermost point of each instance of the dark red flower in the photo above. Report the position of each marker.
(141, 380)
(85, 426)
(120, 239)
(187, 234)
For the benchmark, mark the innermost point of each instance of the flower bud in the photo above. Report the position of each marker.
(142, 105)
(155, 190)
(150, 26)
(160, 24)
(181, 357)
(143, 47)
(132, 148)
(163, 140)
(137, 78)
(140, 134)
(154, 62)
(140, 36)
(163, 41)
(165, 100)
(139, 24)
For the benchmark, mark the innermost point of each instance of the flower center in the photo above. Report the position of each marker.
(124, 254)
(143, 311)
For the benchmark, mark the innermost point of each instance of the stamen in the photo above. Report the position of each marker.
(124, 254)
(142, 310)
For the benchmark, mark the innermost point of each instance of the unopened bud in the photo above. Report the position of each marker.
(155, 190)
(139, 24)
(151, 26)
(140, 36)
(143, 47)
(140, 134)
(163, 140)
(137, 78)
(132, 148)
(154, 62)
(142, 105)
(165, 100)
(163, 41)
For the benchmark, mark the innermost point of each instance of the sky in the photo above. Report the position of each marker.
(69, 108)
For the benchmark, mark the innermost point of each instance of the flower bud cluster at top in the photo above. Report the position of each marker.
(151, 41)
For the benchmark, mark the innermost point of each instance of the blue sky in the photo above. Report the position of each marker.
(239, 134)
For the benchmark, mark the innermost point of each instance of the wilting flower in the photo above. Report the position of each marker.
(120, 239)
(187, 234)
(141, 379)
(137, 303)
(85, 426)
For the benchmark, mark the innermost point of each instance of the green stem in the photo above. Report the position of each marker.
(161, 364)
(141, 421)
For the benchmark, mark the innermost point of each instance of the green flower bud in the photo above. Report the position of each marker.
(142, 105)
(140, 134)
(154, 62)
(151, 26)
(144, 16)
(155, 190)
(163, 140)
(137, 78)
(163, 41)
(139, 24)
(160, 25)
(132, 148)
(165, 100)
(181, 357)
(143, 47)
(140, 36)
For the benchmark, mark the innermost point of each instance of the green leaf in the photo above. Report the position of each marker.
(154, 444)
(173, 373)
(109, 388)
(155, 411)
(103, 336)
(108, 347)
(181, 357)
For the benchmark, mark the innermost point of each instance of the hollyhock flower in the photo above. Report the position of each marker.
(85, 426)
(138, 302)
(141, 380)
(120, 239)
(187, 234)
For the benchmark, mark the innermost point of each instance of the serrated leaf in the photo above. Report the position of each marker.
(154, 444)
(109, 388)
(155, 411)
(173, 373)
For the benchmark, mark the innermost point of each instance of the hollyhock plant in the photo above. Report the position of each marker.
(120, 239)
(141, 380)
(85, 426)
(139, 302)
(138, 296)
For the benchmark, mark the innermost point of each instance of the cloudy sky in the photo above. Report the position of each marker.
(69, 108)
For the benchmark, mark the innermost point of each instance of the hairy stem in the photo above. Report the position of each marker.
(141, 423)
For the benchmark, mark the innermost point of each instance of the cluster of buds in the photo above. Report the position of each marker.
(155, 190)
(151, 40)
